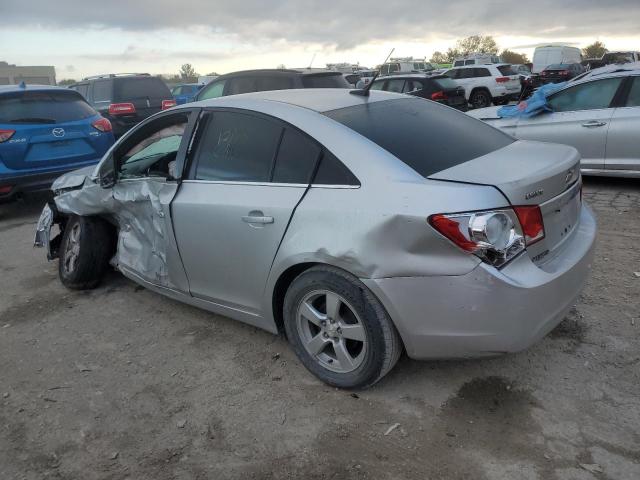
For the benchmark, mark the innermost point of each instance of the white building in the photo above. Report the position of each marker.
(39, 75)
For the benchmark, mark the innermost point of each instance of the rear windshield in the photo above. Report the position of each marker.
(323, 80)
(445, 83)
(44, 107)
(140, 87)
(558, 66)
(426, 136)
(506, 70)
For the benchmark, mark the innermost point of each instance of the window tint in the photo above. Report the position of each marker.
(470, 62)
(241, 85)
(506, 70)
(481, 72)
(426, 136)
(445, 83)
(44, 107)
(213, 90)
(455, 74)
(82, 89)
(237, 147)
(394, 67)
(413, 85)
(140, 87)
(466, 72)
(333, 172)
(458, 63)
(586, 96)
(297, 158)
(279, 82)
(377, 85)
(634, 94)
(156, 148)
(395, 85)
(102, 91)
(322, 80)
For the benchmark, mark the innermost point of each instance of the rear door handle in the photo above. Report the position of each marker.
(257, 216)
(594, 123)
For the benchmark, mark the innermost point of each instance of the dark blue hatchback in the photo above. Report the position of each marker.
(44, 132)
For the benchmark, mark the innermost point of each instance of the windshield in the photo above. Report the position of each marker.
(426, 136)
(44, 107)
(323, 80)
(558, 66)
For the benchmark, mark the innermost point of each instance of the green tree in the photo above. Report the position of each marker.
(66, 81)
(512, 57)
(595, 50)
(477, 44)
(439, 57)
(188, 73)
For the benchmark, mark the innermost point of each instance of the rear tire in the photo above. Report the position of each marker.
(480, 98)
(352, 345)
(86, 248)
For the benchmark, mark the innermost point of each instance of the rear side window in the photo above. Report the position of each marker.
(506, 70)
(297, 158)
(481, 72)
(102, 91)
(279, 82)
(445, 83)
(237, 147)
(82, 89)
(324, 81)
(44, 107)
(240, 85)
(333, 172)
(395, 85)
(140, 87)
(634, 94)
(426, 136)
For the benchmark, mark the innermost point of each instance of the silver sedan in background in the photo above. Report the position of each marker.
(360, 226)
(599, 114)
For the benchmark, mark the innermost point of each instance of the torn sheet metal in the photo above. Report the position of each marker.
(140, 209)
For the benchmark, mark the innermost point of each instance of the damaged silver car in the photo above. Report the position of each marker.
(357, 225)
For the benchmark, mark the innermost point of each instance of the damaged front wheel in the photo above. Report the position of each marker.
(87, 245)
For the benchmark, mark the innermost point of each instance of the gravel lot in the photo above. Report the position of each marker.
(121, 383)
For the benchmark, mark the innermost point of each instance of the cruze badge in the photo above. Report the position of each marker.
(534, 194)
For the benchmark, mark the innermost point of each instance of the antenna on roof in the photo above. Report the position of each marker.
(311, 62)
(364, 92)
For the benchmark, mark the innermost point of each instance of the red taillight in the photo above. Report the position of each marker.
(122, 109)
(530, 218)
(564, 72)
(4, 189)
(6, 135)
(103, 125)
(502, 79)
(451, 229)
(168, 104)
(544, 74)
(439, 95)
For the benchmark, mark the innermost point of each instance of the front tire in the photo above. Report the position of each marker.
(338, 328)
(480, 99)
(86, 248)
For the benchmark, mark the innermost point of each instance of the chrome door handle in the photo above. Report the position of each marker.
(594, 123)
(257, 219)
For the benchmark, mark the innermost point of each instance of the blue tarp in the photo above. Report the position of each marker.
(532, 106)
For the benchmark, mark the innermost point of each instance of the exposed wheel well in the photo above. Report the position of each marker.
(485, 89)
(281, 287)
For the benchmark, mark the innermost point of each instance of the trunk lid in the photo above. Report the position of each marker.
(531, 173)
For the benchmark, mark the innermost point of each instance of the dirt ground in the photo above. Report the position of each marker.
(121, 383)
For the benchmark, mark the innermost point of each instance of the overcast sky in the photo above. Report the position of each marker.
(88, 37)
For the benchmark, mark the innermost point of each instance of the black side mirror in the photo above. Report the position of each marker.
(107, 174)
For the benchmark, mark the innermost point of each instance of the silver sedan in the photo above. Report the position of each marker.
(359, 226)
(598, 113)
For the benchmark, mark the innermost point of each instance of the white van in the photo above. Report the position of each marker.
(477, 59)
(550, 54)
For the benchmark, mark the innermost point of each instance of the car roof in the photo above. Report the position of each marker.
(30, 88)
(277, 71)
(317, 99)
(609, 71)
(422, 76)
(477, 65)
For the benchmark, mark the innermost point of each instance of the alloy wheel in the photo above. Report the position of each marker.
(331, 331)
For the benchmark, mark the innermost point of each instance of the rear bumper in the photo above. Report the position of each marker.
(488, 311)
(34, 181)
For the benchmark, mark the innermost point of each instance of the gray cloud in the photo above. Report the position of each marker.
(338, 23)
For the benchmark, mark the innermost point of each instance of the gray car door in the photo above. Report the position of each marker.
(580, 118)
(623, 150)
(231, 213)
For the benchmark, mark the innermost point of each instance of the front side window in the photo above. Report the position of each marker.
(236, 147)
(633, 100)
(153, 152)
(586, 96)
(213, 90)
